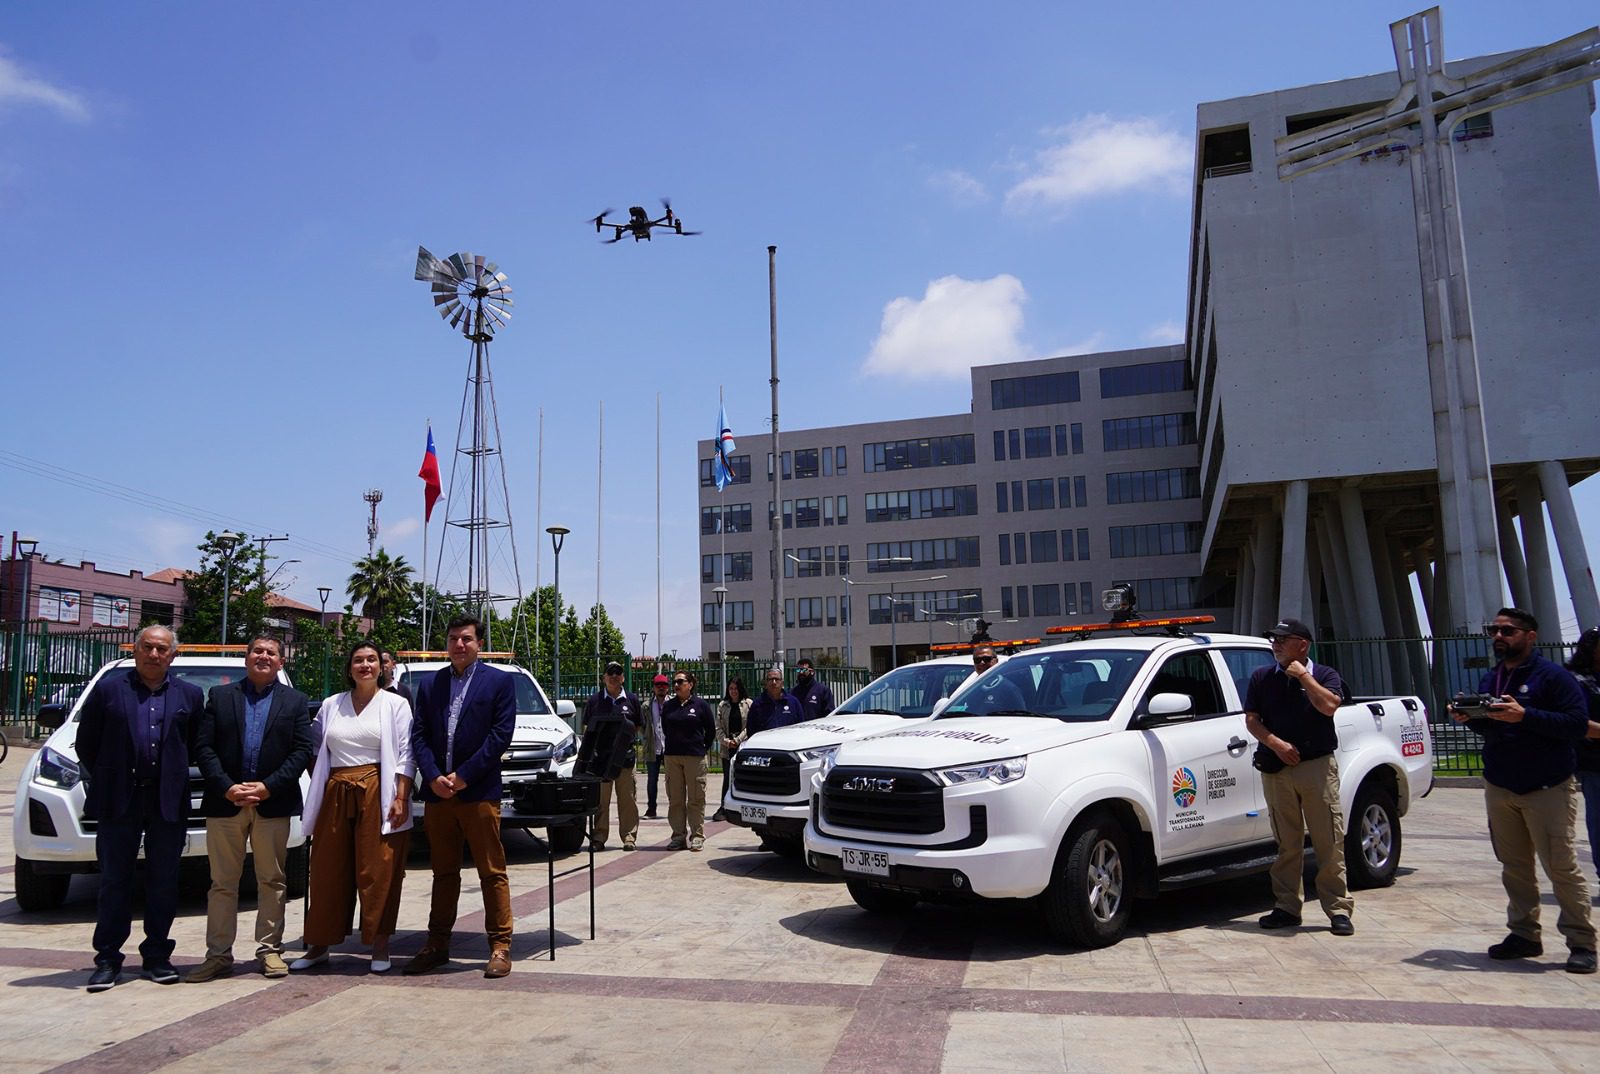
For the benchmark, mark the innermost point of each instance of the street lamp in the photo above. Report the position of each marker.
(845, 610)
(268, 583)
(894, 644)
(722, 634)
(558, 536)
(227, 540)
(322, 621)
(24, 546)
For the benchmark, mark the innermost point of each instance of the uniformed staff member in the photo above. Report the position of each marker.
(611, 719)
(1289, 707)
(816, 700)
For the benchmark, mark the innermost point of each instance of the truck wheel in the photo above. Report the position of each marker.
(1090, 896)
(783, 844)
(567, 839)
(1372, 843)
(297, 871)
(876, 900)
(38, 891)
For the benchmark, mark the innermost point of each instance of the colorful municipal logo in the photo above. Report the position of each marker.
(1184, 790)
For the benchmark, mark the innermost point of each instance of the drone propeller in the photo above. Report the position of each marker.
(600, 218)
(676, 232)
(616, 238)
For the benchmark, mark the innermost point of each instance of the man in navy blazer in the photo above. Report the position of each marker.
(465, 716)
(253, 743)
(133, 747)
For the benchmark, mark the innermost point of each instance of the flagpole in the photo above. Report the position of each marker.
(538, 545)
(720, 458)
(426, 596)
(660, 640)
(777, 463)
(599, 501)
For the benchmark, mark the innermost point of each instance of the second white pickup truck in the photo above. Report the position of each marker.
(1088, 773)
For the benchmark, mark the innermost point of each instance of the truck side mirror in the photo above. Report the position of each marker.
(51, 717)
(939, 706)
(1167, 707)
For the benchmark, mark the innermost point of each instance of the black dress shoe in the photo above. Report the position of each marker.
(159, 971)
(1514, 946)
(1340, 925)
(104, 978)
(1581, 960)
(1279, 919)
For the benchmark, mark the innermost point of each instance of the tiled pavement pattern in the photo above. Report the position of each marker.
(734, 959)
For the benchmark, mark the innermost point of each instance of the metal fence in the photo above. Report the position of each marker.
(38, 667)
(1433, 668)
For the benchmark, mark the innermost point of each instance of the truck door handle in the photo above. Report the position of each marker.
(1236, 745)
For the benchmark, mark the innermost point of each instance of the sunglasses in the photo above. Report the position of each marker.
(680, 682)
(985, 661)
(1495, 630)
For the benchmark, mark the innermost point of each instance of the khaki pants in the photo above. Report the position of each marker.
(627, 791)
(1542, 825)
(225, 849)
(351, 857)
(686, 796)
(450, 824)
(1302, 798)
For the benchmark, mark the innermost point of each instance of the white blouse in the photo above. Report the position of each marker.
(354, 738)
(392, 716)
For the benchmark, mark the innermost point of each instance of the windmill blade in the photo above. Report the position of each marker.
(459, 265)
(428, 266)
(477, 268)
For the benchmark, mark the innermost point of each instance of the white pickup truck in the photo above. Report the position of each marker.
(1089, 773)
(53, 838)
(771, 791)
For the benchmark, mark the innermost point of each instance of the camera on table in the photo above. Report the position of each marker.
(1473, 705)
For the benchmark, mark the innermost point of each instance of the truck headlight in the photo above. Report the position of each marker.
(56, 771)
(827, 755)
(995, 772)
(567, 747)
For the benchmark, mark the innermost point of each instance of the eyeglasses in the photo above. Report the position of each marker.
(1495, 629)
(680, 682)
(613, 673)
(985, 661)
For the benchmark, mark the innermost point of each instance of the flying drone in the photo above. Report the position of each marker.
(639, 224)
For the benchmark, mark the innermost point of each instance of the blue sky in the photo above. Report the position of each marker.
(212, 211)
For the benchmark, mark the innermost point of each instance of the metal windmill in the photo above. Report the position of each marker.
(472, 295)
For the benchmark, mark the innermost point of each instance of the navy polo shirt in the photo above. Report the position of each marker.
(1283, 706)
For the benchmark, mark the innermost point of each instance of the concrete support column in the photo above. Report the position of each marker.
(1416, 655)
(1569, 539)
(1316, 616)
(1423, 568)
(1446, 614)
(1335, 571)
(1263, 543)
(1244, 593)
(1358, 554)
(1389, 607)
(1536, 549)
(1292, 569)
(1511, 556)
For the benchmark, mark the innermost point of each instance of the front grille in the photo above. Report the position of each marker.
(883, 800)
(767, 772)
(195, 820)
(524, 762)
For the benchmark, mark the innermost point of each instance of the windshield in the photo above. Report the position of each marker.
(529, 701)
(204, 676)
(1080, 684)
(911, 691)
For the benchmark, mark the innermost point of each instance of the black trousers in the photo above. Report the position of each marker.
(117, 851)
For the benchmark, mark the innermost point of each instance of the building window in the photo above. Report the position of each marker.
(1154, 539)
(999, 445)
(1150, 431)
(940, 552)
(833, 611)
(1046, 600)
(1225, 152)
(731, 567)
(1077, 438)
(1069, 603)
(1046, 389)
(1036, 442)
(1042, 546)
(1080, 492)
(788, 465)
(805, 463)
(827, 510)
(1086, 596)
(1000, 497)
(741, 615)
(1014, 442)
(807, 513)
(1147, 378)
(1182, 594)
(1083, 544)
(1144, 486)
(1019, 545)
(840, 460)
(809, 563)
(917, 454)
(947, 502)
(739, 466)
(1022, 602)
(1005, 549)
(810, 612)
(1042, 494)
(827, 462)
(1064, 491)
(1007, 610)
(842, 510)
(1017, 502)
(732, 518)
(1063, 445)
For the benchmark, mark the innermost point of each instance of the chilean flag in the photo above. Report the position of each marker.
(430, 477)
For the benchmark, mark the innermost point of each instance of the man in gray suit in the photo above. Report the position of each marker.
(252, 744)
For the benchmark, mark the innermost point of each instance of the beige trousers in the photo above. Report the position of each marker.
(1301, 798)
(686, 796)
(1542, 825)
(627, 794)
(268, 839)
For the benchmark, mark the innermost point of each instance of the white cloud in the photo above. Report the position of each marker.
(403, 528)
(1165, 332)
(959, 187)
(956, 325)
(18, 88)
(1097, 156)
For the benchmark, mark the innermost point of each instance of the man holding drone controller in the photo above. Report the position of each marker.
(1532, 717)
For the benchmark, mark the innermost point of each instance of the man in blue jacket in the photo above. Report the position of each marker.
(816, 700)
(465, 716)
(776, 707)
(133, 745)
(1529, 789)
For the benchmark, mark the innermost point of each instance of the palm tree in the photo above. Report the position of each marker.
(379, 583)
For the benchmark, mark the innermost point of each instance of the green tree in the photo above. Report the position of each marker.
(612, 644)
(380, 583)
(245, 568)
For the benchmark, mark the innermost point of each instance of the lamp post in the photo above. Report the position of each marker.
(227, 540)
(722, 634)
(324, 592)
(25, 547)
(845, 610)
(558, 536)
(894, 644)
(268, 583)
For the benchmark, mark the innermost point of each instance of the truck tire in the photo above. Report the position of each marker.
(783, 844)
(36, 891)
(297, 871)
(876, 900)
(566, 839)
(1090, 896)
(1372, 843)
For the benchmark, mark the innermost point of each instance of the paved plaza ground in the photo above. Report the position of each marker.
(734, 959)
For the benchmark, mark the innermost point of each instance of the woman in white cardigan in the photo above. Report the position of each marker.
(358, 811)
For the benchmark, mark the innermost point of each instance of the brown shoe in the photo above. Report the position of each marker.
(209, 970)
(499, 962)
(272, 964)
(429, 958)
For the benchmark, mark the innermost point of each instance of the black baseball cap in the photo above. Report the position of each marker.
(614, 668)
(1285, 628)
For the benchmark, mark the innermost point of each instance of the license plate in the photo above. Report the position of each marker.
(753, 814)
(866, 862)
